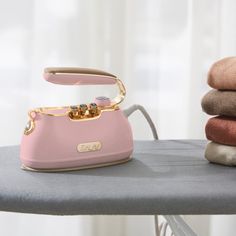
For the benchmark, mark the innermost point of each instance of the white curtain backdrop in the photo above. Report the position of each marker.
(161, 49)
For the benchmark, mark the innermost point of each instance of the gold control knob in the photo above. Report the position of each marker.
(82, 109)
(74, 112)
(93, 109)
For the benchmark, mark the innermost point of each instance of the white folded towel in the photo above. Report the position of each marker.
(221, 154)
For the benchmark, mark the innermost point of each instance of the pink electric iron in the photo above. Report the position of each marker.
(81, 136)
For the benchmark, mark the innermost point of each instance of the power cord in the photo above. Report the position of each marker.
(136, 107)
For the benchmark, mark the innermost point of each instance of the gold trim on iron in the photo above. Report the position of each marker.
(30, 124)
(122, 92)
(29, 127)
(43, 110)
(23, 167)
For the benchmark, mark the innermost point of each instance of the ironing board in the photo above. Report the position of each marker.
(165, 177)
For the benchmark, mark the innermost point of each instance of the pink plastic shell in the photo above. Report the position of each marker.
(54, 140)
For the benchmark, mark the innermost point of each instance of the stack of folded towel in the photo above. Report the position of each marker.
(221, 103)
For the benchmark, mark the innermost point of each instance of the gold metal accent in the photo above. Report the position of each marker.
(30, 124)
(89, 147)
(122, 92)
(29, 127)
(78, 168)
(43, 110)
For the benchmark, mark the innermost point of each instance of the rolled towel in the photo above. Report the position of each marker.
(222, 74)
(222, 103)
(221, 154)
(221, 130)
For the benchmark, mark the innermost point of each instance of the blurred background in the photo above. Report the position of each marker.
(161, 49)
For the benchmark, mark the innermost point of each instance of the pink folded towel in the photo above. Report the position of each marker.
(222, 74)
(221, 130)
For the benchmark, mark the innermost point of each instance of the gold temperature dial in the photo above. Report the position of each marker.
(83, 111)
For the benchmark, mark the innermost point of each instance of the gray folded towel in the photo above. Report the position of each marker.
(221, 154)
(217, 102)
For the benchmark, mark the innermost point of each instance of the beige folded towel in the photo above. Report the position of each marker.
(221, 154)
(222, 74)
(222, 103)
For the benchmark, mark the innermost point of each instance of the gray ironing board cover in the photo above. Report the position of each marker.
(164, 177)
